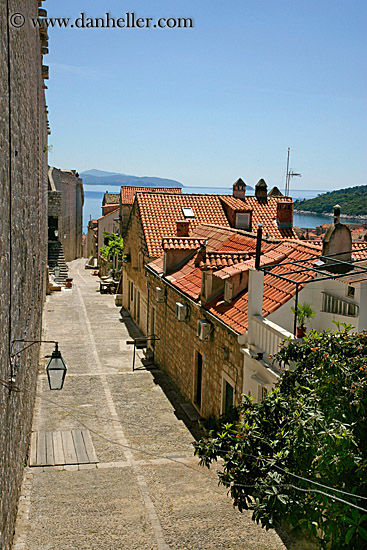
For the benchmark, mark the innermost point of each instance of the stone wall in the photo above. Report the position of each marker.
(71, 221)
(23, 240)
(178, 347)
(135, 298)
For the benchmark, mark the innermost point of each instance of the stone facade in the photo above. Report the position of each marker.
(66, 199)
(135, 296)
(216, 365)
(91, 244)
(23, 240)
(107, 224)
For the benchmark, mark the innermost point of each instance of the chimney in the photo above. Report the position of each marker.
(284, 214)
(336, 214)
(201, 255)
(261, 190)
(337, 244)
(239, 189)
(183, 228)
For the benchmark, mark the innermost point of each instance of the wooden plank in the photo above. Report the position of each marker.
(80, 450)
(69, 450)
(41, 449)
(33, 449)
(89, 447)
(58, 449)
(49, 449)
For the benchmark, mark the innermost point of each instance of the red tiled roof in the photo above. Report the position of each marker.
(359, 250)
(128, 192)
(181, 243)
(276, 291)
(109, 213)
(220, 260)
(263, 212)
(159, 213)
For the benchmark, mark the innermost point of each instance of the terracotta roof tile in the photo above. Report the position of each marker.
(220, 260)
(109, 213)
(128, 192)
(181, 243)
(263, 212)
(160, 212)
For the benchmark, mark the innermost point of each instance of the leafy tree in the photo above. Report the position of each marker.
(313, 425)
(114, 246)
(353, 201)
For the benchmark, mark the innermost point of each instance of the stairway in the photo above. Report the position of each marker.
(56, 257)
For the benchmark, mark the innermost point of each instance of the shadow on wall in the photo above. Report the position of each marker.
(182, 409)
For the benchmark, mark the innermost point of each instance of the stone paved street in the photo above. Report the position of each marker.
(134, 498)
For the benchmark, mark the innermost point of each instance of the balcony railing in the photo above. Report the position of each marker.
(266, 337)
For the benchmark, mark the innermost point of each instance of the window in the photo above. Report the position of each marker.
(243, 220)
(350, 291)
(152, 327)
(339, 306)
(228, 397)
(198, 379)
(137, 299)
(188, 212)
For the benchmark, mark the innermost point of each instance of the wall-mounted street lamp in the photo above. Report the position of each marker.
(56, 367)
(56, 232)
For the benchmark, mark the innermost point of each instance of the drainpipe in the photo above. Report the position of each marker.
(258, 245)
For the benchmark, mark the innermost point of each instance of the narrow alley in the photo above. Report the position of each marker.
(147, 490)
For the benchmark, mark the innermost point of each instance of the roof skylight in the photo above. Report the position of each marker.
(188, 212)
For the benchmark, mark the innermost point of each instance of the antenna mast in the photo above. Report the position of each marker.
(289, 174)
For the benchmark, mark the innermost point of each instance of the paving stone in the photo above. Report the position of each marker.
(147, 492)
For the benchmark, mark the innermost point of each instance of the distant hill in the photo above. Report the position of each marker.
(352, 201)
(99, 177)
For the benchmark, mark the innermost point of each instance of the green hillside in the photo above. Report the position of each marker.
(352, 201)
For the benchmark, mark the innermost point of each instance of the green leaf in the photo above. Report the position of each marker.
(349, 535)
(362, 532)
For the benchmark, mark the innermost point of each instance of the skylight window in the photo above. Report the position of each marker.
(188, 212)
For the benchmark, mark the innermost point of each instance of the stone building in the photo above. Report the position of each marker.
(109, 223)
(92, 236)
(153, 216)
(157, 215)
(197, 308)
(23, 240)
(110, 202)
(65, 211)
(218, 321)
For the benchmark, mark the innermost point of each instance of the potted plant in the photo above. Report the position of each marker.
(304, 312)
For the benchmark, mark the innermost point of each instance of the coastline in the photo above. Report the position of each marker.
(331, 215)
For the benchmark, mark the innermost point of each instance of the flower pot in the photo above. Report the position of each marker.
(68, 283)
(301, 331)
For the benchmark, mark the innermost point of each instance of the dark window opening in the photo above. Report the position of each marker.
(198, 379)
(228, 395)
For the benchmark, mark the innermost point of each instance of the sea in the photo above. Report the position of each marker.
(93, 195)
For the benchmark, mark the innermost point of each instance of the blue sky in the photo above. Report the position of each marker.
(220, 101)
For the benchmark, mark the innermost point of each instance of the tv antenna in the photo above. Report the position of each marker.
(289, 174)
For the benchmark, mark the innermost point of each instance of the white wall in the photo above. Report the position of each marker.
(312, 294)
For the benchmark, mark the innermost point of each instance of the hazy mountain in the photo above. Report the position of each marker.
(100, 177)
(100, 173)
